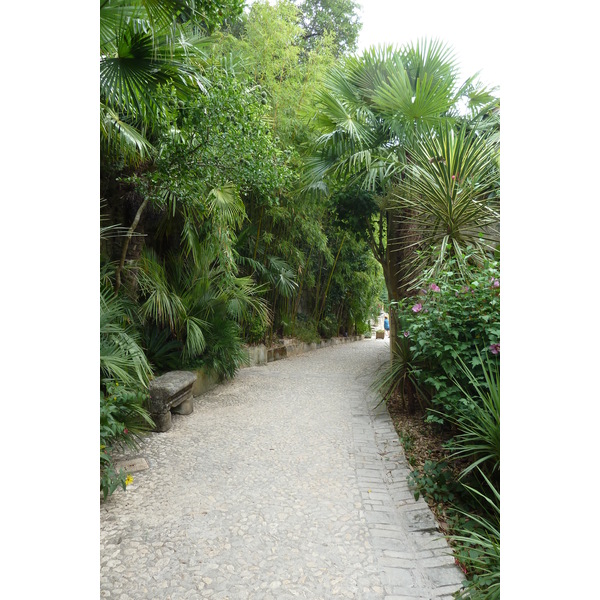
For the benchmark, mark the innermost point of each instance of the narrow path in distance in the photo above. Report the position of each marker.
(287, 482)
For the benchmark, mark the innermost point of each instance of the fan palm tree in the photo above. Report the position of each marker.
(373, 112)
(121, 355)
(143, 45)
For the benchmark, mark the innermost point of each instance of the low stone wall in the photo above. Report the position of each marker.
(261, 355)
(204, 382)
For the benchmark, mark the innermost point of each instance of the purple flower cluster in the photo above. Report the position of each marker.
(495, 348)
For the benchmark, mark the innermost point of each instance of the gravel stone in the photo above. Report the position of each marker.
(287, 482)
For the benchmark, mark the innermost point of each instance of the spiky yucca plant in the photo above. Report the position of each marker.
(450, 199)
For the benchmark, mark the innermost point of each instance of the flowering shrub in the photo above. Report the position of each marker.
(122, 419)
(453, 318)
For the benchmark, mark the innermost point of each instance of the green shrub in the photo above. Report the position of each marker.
(451, 319)
(256, 330)
(477, 535)
(123, 419)
(477, 420)
(121, 354)
(435, 482)
(477, 545)
(225, 353)
(362, 328)
(305, 332)
(328, 327)
(162, 349)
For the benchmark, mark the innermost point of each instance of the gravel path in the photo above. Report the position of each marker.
(284, 483)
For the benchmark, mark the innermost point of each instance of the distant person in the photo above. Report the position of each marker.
(386, 326)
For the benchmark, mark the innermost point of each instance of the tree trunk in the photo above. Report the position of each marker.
(391, 273)
(126, 242)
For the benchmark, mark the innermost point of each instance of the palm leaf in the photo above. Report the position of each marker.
(121, 137)
(225, 204)
(121, 355)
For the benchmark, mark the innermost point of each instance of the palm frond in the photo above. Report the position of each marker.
(226, 205)
(117, 136)
(121, 355)
(162, 305)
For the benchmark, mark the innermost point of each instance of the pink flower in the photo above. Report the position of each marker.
(417, 307)
(406, 334)
(125, 430)
(434, 288)
(495, 348)
(496, 283)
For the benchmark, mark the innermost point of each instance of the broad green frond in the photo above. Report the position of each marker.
(121, 355)
(117, 136)
(226, 205)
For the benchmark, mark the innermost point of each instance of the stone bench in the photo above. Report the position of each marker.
(171, 392)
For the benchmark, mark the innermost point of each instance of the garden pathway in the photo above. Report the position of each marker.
(286, 483)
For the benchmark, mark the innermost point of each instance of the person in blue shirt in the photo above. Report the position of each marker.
(386, 325)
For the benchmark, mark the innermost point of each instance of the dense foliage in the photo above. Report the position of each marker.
(453, 319)
(207, 243)
(259, 181)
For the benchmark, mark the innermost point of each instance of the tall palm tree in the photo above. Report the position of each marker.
(373, 111)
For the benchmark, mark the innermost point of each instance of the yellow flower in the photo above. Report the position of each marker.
(117, 383)
(102, 446)
(128, 480)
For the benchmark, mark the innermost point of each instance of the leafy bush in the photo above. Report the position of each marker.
(303, 329)
(453, 338)
(121, 354)
(476, 536)
(478, 422)
(328, 327)
(362, 328)
(225, 353)
(122, 419)
(255, 330)
(477, 545)
(435, 481)
(452, 319)
(162, 350)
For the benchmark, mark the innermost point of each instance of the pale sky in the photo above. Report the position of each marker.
(472, 28)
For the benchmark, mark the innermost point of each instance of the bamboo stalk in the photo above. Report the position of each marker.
(329, 280)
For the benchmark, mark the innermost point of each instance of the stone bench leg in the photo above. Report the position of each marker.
(163, 422)
(185, 408)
